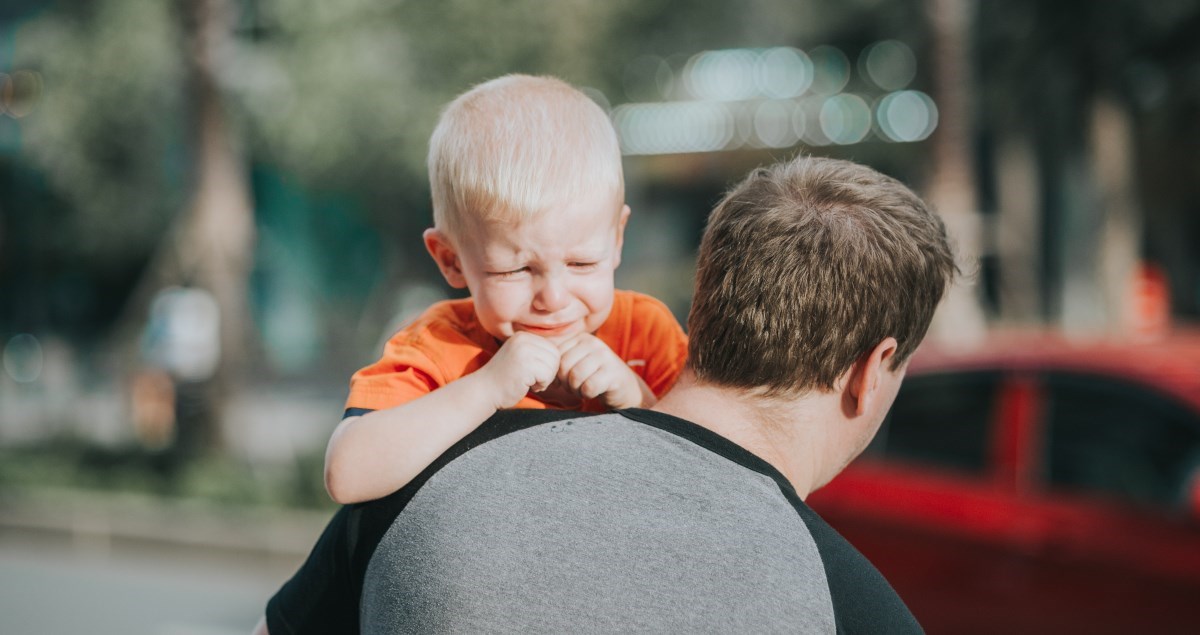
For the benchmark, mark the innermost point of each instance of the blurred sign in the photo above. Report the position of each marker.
(183, 333)
(1151, 301)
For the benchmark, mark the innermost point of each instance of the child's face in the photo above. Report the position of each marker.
(551, 275)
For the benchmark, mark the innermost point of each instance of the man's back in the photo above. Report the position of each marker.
(606, 524)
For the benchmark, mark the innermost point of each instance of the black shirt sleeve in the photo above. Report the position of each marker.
(863, 600)
(323, 595)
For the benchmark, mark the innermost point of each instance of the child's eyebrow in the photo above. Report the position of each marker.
(502, 264)
(598, 253)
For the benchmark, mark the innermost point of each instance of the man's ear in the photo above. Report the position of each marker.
(866, 376)
(624, 218)
(443, 252)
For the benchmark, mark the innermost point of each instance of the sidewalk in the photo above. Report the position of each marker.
(107, 522)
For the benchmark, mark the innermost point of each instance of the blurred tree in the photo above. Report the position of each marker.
(952, 187)
(1081, 91)
(155, 112)
(213, 247)
(106, 133)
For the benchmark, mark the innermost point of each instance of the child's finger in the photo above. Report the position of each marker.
(595, 384)
(574, 341)
(581, 371)
(570, 360)
(545, 370)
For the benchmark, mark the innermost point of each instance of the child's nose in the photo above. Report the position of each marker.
(551, 295)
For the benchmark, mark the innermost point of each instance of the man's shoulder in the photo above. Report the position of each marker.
(578, 515)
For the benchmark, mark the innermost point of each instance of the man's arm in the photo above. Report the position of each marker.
(375, 454)
(322, 596)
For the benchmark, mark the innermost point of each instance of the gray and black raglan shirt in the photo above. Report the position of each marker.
(555, 522)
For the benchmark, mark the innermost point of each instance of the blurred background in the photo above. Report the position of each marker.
(211, 215)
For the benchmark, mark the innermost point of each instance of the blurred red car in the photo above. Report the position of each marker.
(1034, 484)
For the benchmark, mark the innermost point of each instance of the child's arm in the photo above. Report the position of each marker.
(375, 454)
(593, 370)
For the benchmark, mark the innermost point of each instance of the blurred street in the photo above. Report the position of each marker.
(211, 215)
(104, 566)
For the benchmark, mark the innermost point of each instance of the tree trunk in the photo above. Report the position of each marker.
(1119, 247)
(1018, 230)
(216, 246)
(951, 188)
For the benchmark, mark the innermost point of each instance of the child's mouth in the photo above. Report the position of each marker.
(547, 330)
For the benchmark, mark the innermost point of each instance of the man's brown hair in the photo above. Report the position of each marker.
(804, 267)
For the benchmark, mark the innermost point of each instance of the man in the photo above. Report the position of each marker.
(816, 281)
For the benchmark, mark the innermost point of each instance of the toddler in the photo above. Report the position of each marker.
(529, 216)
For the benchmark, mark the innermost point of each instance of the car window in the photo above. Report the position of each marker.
(1118, 440)
(940, 420)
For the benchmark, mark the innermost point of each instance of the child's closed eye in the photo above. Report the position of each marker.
(512, 273)
(583, 266)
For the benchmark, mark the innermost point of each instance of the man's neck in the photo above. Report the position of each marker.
(789, 434)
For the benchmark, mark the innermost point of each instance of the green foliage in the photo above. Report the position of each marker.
(340, 95)
(72, 465)
(106, 130)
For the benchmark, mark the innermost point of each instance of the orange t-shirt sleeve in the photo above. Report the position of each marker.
(657, 346)
(402, 374)
(439, 346)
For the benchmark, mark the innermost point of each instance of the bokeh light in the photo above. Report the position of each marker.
(845, 119)
(23, 358)
(783, 72)
(831, 70)
(20, 92)
(773, 124)
(890, 64)
(907, 115)
(5, 92)
(806, 121)
(598, 96)
(722, 75)
(647, 78)
(673, 127)
(769, 98)
(799, 121)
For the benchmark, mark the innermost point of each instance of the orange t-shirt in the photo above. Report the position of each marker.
(447, 342)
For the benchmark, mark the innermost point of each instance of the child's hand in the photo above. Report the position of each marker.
(524, 363)
(593, 370)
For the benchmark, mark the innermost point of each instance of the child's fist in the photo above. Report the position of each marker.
(524, 363)
(593, 370)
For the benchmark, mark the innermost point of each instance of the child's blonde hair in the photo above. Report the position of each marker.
(516, 146)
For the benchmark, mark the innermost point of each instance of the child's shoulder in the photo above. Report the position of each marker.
(447, 316)
(635, 305)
